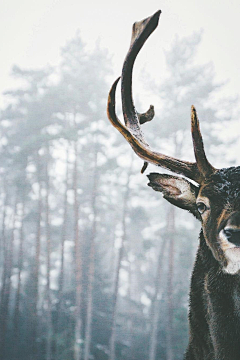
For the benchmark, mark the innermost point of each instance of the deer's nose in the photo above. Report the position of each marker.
(233, 235)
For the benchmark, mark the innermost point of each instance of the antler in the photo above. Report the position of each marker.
(204, 167)
(132, 131)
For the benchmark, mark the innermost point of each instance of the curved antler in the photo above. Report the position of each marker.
(132, 130)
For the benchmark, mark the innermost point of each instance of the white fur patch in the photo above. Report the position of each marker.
(232, 253)
(233, 257)
(225, 244)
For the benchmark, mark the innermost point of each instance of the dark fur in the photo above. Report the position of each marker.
(214, 312)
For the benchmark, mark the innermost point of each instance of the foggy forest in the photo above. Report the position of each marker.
(94, 264)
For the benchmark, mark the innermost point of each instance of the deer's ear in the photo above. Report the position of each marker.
(178, 191)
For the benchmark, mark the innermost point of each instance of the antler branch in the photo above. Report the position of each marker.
(132, 130)
(142, 149)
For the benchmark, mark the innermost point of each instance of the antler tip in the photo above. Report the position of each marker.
(115, 83)
(143, 26)
(111, 95)
(157, 13)
(111, 101)
(147, 116)
(156, 16)
(145, 165)
(193, 108)
(194, 117)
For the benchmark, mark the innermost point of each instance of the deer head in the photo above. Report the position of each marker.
(215, 200)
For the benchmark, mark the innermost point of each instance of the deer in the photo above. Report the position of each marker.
(213, 196)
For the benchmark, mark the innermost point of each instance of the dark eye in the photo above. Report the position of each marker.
(201, 207)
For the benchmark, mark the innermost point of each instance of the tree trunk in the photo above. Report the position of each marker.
(130, 309)
(155, 303)
(33, 311)
(4, 308)
(117, 276)
(3, 239)
(19, 286)
(78, 263)
(62, 266)
(171, 232)
(91, 266)
(48, 285)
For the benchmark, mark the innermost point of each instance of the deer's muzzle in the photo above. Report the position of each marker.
(233, 235)
(232, 228)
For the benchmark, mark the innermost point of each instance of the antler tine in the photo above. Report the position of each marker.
(204, 167)
(147, 116)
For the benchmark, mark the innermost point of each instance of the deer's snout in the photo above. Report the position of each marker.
(233, 235)
(232, 229)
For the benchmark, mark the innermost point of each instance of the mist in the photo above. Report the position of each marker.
(93, 263)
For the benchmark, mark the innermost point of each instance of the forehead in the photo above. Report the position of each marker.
(223, 185)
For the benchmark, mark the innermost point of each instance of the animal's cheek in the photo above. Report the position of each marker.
(207, 235)
(211, 237)
(209, 229)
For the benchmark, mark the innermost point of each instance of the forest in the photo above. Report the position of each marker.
(94, 264)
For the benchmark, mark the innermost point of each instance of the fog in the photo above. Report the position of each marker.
(94, 264)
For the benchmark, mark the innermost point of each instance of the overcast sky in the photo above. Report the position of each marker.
(33, 32)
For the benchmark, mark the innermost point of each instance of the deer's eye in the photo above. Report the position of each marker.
(201, 207)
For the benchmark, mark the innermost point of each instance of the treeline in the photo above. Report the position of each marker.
(94, 265)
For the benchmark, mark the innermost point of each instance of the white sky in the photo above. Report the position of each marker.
(33, 31)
